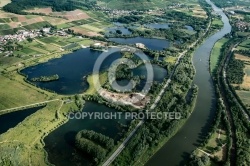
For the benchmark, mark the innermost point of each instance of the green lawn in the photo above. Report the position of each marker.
(215, 54)
(245, 96)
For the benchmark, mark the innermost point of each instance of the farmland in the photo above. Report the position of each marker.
(244, 89)
(83, 22)
(245, 96)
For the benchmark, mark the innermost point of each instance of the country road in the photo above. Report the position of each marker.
(30, 105)
(153, 106)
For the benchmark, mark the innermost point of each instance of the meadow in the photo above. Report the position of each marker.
(215, 54)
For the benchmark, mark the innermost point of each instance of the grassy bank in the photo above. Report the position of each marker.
(215, 54)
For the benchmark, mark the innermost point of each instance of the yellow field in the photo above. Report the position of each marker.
(170, 59)
(242, 57)
(4, 2)
(246, 80)
(91, 28)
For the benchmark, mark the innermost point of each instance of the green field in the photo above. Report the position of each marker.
(215, 54)
(4, 26)
(217, 22)
(244, 96)
(245, 44)
(38, 25)
(14, 93)
(5, 20)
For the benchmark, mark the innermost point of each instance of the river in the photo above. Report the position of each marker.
(177, 150)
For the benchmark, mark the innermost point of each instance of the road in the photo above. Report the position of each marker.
(30, 105)
(153, 106)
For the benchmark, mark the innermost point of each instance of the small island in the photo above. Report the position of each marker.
(45, 78)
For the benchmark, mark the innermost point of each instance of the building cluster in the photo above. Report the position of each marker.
(242, 26)
(20, 36)
(176, 6)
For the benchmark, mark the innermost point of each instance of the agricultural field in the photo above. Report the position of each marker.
(244, 92)
(217, 21)
(40, 47)
(15, 93)
(215, 54)
(244, 96)
(87, 23)
(244, 45)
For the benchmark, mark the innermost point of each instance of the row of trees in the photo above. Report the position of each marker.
(18, 6)
(98, 138)
(96, 151)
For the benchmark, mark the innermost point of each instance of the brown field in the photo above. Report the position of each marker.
(5, 15)
(242, 57)
(72, 15)
(55, 21)
(246, 79)
(14, 24)
(21, 18)
(84, 31)
(47, 10)
(34, 20)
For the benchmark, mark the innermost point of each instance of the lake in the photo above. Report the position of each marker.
(60, 144)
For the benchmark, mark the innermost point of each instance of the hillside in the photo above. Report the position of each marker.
(19, 6)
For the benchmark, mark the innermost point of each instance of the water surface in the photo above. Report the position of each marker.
(12, 119)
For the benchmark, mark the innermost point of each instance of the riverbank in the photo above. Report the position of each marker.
(178, 148)
(174, 128)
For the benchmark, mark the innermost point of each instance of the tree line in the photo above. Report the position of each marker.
(18, 6)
